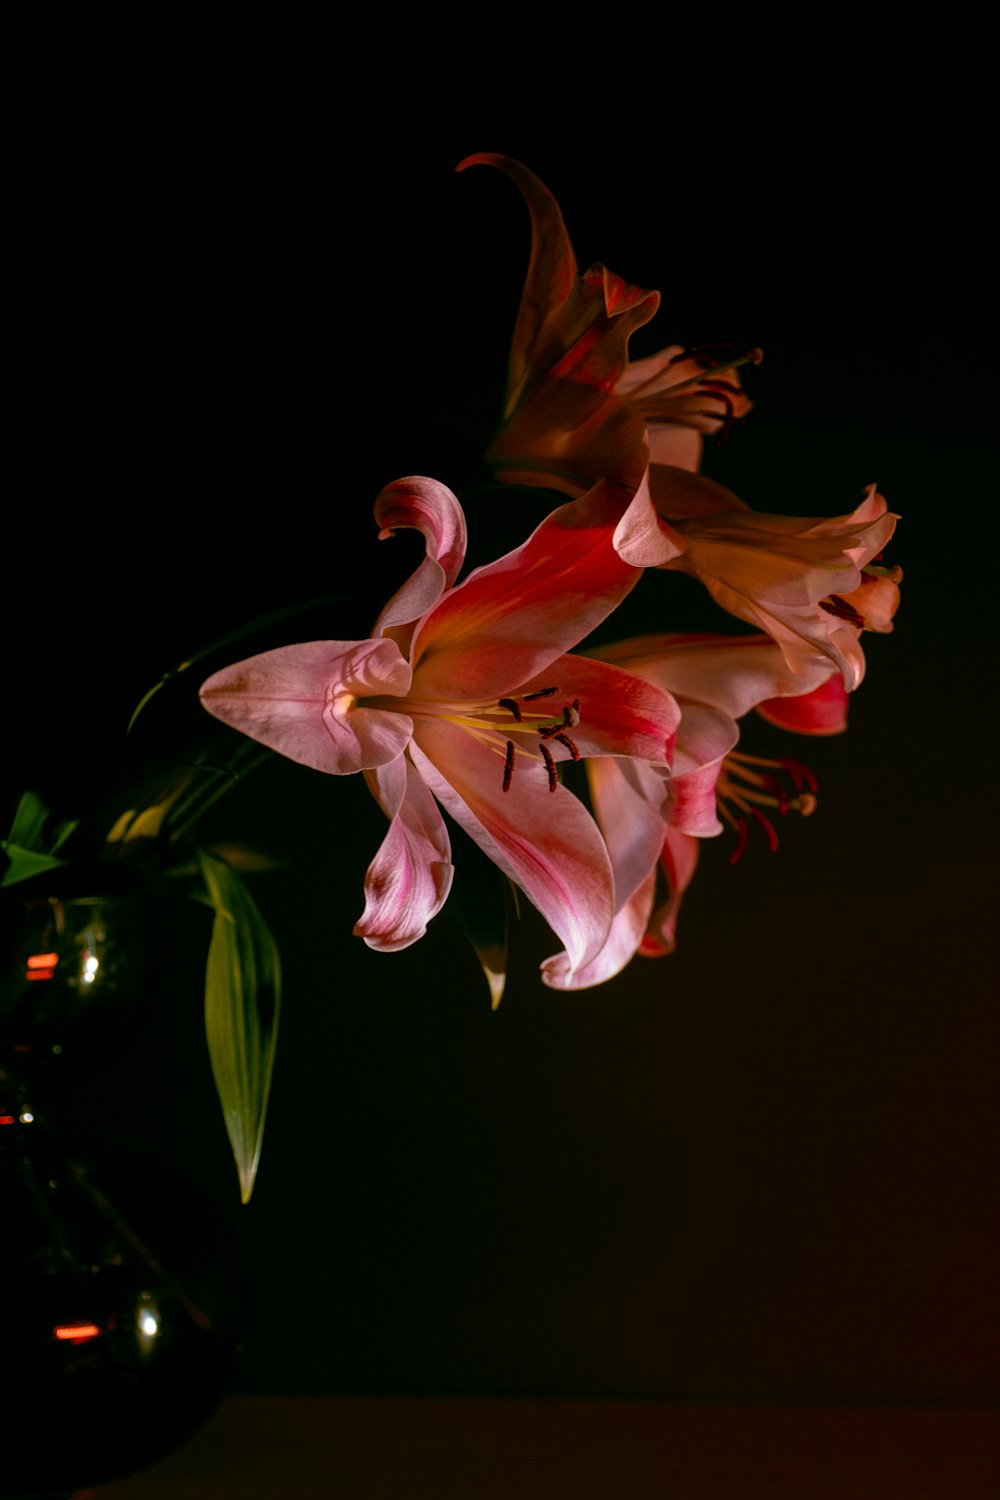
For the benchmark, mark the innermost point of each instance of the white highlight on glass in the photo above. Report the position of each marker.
(147, 1321)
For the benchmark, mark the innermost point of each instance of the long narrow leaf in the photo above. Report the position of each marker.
(242, 1003)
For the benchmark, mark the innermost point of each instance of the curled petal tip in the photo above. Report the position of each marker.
(478, 158)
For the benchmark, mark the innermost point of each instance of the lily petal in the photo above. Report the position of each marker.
(678, 861)
(627, 932)
(629, 801)
(409, 879)
(734, 673)
(427, 506)
(551, 268)
(545, 841)
(563, 425)
(786, 574)
(510, 620)
(705, 737)
(821, 712)
(621, 714)
(641, 535)
(301, 701)
(568, 326)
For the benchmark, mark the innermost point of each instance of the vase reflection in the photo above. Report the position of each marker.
(120, 1312)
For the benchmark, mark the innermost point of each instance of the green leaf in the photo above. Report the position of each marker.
(24, 863)
(479, 904)
(274, 617)
(29, 821)
(29, 849)
(242, 1003)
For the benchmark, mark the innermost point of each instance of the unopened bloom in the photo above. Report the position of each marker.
(465, 696)
(577, 409)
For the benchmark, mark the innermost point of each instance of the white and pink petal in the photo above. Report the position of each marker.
(424, 505)
(510, 620)
(302, 702)
(409, 879)
(543, 839)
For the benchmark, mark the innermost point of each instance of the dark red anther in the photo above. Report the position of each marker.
(768, 827)
(564, 739)
(741, 841)
(508, 766)
(512, 707)
(834, 605)
(801, 776)
(550, 766)
(542, 693)
(570, 719)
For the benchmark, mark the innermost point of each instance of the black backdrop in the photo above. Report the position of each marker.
(763, 1167)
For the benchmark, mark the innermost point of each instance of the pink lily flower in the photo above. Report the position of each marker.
(812, 584)
(466, 696)
(654, 822)
(576, 409)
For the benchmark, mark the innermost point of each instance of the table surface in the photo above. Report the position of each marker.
(319, 1448)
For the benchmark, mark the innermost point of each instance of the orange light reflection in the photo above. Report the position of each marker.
(76, 1333)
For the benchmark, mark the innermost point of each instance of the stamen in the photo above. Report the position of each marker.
(743, 787)
(709, 362)
(773, 785)
(834, 605)
(564, 739)
(526, 722)
(550, 766)
(508, 766)
(711, 383)
(768, 827)
(801, 776)
(697, 351)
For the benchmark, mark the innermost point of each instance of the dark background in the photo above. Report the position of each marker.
(762, 1168)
